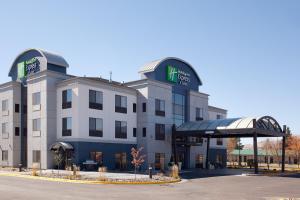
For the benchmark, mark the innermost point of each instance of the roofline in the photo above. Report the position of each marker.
(174, 58)
(213, 107)
(85, 79)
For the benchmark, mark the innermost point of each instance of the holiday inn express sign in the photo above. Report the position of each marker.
(27, 67)
(178, 76)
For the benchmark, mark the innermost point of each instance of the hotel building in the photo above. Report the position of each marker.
(99, 119)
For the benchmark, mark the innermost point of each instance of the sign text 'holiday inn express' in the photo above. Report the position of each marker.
(27, 67)
(176, 75)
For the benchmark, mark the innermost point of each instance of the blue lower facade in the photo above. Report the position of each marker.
(82, 151)
(218, 157)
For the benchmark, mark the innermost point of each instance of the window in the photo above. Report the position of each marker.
(159, 161)
(17, 108)
(199, 114)
(144, 107)
(5, 105)
(36, 98)
(36, 156)
(4, 128)
(4, 155)
(97, 157)
(67, 126)
(219, 141)
(159, 107)
(120, 161)
(96, 127)
(134, 132)
(17, 131)
(144, 132)
(219, 116)
(36, 125)
(120, 104)
(67, 99)
(120, 129)
(178, 109)
(96, 100)
(159, 131)
(199, 161)
(134, 107)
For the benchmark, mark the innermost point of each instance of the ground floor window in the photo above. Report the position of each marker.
(120, 161)
(5, 155)
(36, 156)
(199, 161)
(271, 159)
(97, 157)
(159, 161)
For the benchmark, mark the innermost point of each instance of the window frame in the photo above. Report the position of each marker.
(93, 131)
(120, 104)
(160, 131)
(93, 104)
(67, 103)
(36, 126)
(66, 131)
(119, 129)
(159, 111)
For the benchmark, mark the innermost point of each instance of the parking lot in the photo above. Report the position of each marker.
(196, 186)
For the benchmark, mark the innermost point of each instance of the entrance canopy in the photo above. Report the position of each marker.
(65, 146)
(236, 127)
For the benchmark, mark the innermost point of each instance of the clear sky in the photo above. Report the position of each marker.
(247, 53)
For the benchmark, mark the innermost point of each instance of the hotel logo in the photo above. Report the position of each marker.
(172, 74)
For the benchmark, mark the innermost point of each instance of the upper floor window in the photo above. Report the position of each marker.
(134, 132)
(159, 107)
(17, 131)
(5, 127)
(199, 114)
(96, 127)
(120, 104)
(36, 98)
(5, 105)
(219, 116)
(134, 107)
(121, 129)
(95, 100)
(144, 107)
(67, 99)
(144, 132)
(159, 131)
(36, 124)
(67, 126)
(17, 108)
(219, 141)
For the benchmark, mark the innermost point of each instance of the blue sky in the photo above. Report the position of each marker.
(247, 53)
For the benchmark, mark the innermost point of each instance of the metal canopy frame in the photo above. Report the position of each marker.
(265, 126)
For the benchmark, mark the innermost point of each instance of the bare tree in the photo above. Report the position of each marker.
(266, 146)
(276, 149)
(137, 159)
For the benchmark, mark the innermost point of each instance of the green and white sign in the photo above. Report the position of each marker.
(21, 70)
(28, 67)
(172, 74)
(175, 75)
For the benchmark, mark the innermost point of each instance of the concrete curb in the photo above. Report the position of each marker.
(86, 181)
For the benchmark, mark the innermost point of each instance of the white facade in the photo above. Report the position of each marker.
(43, 119)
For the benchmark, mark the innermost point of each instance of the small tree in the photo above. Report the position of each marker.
(58, 159)
(137, 159)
